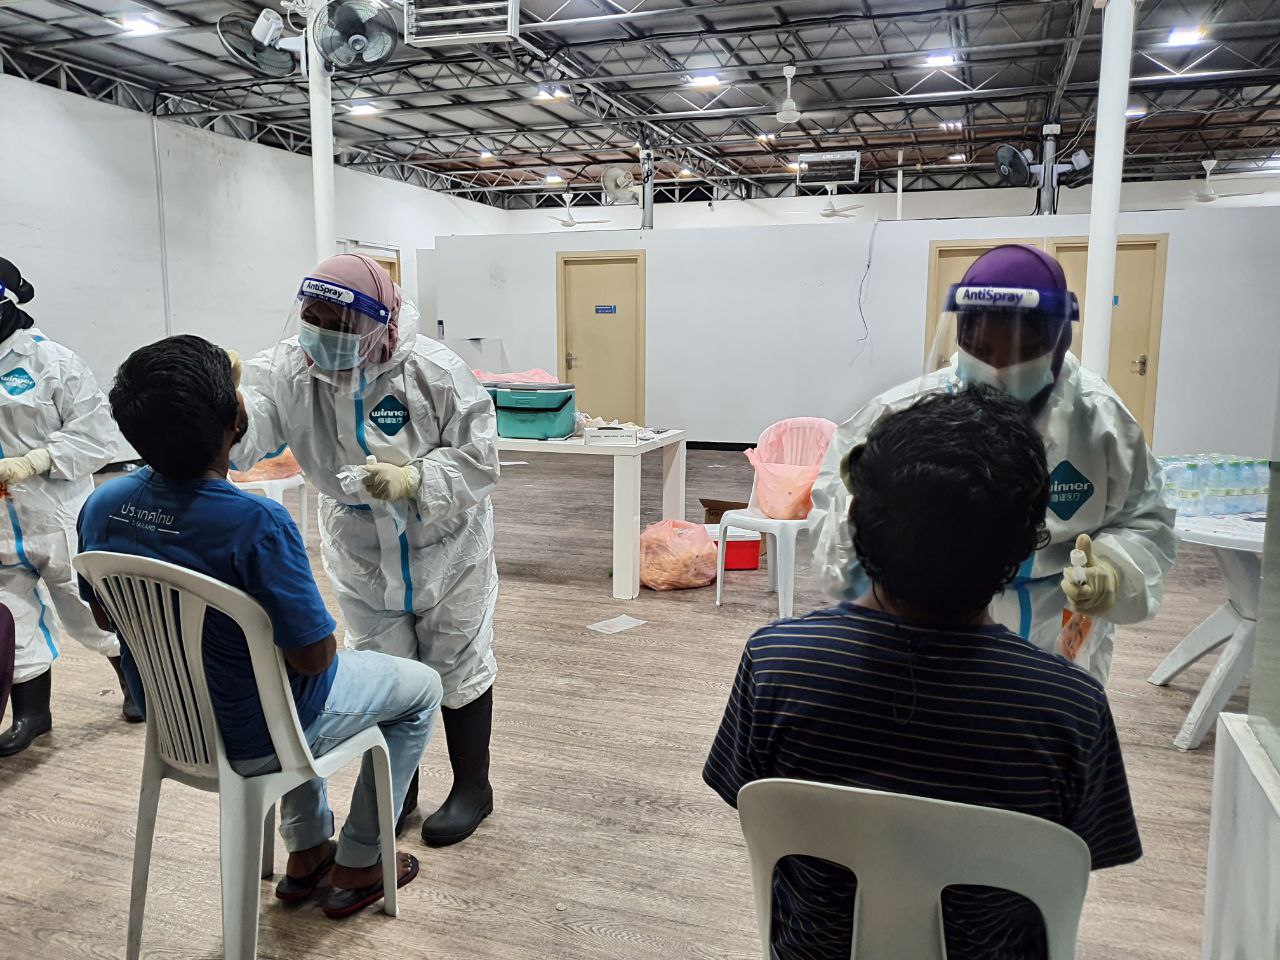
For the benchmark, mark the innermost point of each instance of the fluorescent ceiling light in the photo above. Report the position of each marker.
(1136, 112)
(486, 154)
(940, 60)
(707, 81)
(686, 172)
(560, 93)
(956, 158)
(139, 26)
(951, 124)
(1185, 36)
(542, 94)
(766, 137)
(362, 110)
(554, 178)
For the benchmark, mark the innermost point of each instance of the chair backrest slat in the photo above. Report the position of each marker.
(904, 852)
(160, 610)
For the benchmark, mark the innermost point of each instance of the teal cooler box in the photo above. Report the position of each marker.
(536, 411)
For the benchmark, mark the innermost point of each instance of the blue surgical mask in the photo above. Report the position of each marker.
(1022, 381)
(329, 349)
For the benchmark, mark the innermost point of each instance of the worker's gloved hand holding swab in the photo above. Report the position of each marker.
(386, 481)
(1089, 583)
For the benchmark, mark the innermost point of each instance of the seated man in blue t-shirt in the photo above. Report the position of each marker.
(175, 401)
(914, 689)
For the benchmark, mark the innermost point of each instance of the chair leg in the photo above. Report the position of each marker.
(240, 819)
(785, 540)
(770, 559)
(721, 549)
(148, 803)
(386, 830)
(269, 844)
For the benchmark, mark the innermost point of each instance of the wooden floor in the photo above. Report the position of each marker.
(604, 842)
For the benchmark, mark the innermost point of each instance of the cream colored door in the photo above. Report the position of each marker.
(948, 260)
(391, 265)
(601, 331)
(1135, 319)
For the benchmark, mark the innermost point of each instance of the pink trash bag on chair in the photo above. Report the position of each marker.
(675, 555)
(787, 459)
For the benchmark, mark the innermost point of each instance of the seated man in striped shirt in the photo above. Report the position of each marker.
(914, 689)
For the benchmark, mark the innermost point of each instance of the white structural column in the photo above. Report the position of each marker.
(321, 144)
(899, 204)
(1108, 165)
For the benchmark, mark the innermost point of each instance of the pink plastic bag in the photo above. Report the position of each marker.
(787, 459)
(536, 375)
(675, 555)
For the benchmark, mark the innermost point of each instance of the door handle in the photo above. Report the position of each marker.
(569, 358)
(1139, 366)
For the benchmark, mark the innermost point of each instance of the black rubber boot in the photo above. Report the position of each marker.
(410, 804)
(31, 717)
(471, 798)
(130, 709)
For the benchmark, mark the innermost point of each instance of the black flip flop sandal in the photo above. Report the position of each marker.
(345, 903)
(295, 890)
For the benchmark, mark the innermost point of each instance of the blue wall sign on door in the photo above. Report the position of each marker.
(606, 308)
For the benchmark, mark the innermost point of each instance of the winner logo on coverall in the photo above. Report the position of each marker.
(1069, 490)
(389, 416)
(17, 381)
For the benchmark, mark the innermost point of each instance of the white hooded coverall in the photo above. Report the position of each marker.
(49, 398)
(414, 579)
(1104, 481)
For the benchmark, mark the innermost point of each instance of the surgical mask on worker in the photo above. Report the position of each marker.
(1022, 381)
(329, 349)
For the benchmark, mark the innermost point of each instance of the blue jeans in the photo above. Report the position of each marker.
(400, 696)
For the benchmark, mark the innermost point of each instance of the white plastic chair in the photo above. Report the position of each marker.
(275, 490)
(904, 851)
(780, 550)
(159, 610)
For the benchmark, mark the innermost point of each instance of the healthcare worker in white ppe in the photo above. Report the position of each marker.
(1011, 317)
(401, 440)
(56, 431)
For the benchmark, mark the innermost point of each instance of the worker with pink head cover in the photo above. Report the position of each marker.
(354, 390)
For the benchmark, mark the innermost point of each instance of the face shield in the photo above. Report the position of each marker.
(1012, 338)
(343, 332)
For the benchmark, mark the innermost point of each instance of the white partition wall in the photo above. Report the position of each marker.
(751, 324)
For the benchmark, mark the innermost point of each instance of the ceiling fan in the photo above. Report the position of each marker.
(1206, 193)
(830, 211)
(569, 221)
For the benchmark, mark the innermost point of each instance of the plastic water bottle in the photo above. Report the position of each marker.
(1215, 491)
(1261, 485)
(1190, 503)
(1239, 490)
(1173, 469)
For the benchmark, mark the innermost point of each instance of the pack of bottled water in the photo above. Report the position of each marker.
(1214, 485)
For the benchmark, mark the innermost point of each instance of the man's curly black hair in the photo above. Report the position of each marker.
(949, 499)
(174, 401)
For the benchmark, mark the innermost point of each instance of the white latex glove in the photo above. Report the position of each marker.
(386, 481)
(1097, 594)
(17, 469)
(237, 367)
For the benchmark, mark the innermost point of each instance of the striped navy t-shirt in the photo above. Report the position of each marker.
(856, 697)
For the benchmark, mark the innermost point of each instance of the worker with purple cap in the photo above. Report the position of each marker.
(1008, 324)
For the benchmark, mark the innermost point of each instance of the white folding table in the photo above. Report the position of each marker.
(626, 492)
(1236, 542)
